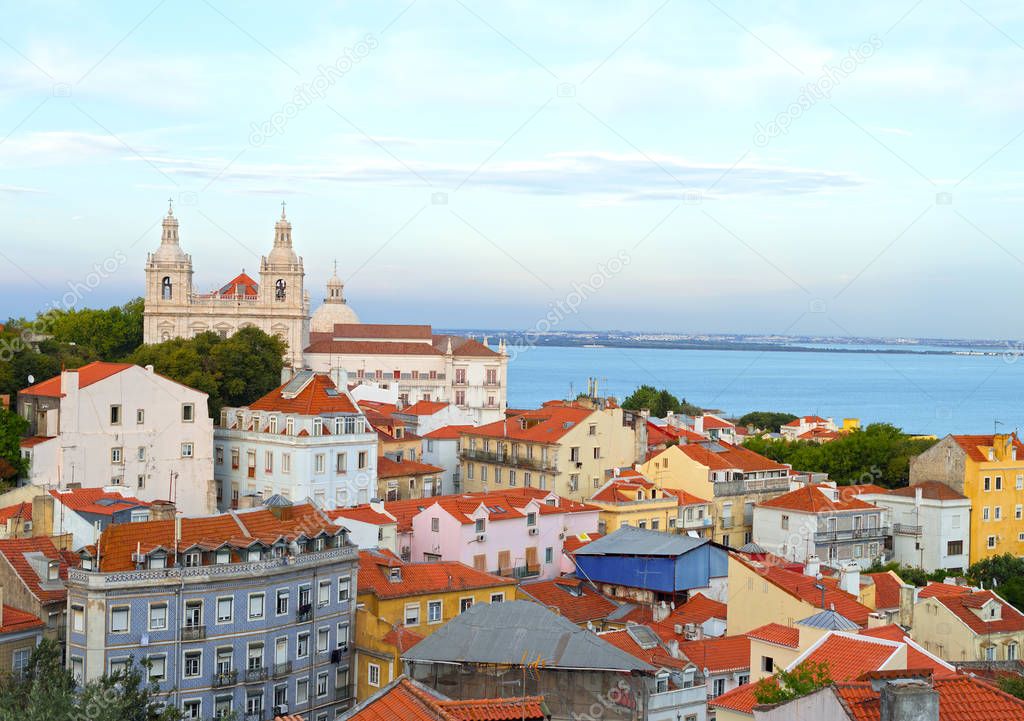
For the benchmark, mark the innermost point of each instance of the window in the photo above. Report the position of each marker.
(225, 609)
(412, 614)
(1017, 510)
(77, 668)
(302, 645)
(361, 459)
(497, 597)
(286, 463)
(574, 481)
(435, 524)
(193, 559)
(140, 416)
(158, 668)
(193, 614)
(373, 675)
(254, 656)
(323, 594)
(784, 522)
(998, 512)
(1020, 481)
(341, 640)
(158, 617)
(768, 664)
(255, 606)
(78, 618)
(116, 454)
(19, 661)
(719, 687)
(549, 555)
(465, 603)
(433, 612)
(302, 691)
(344, 588)
(193, 664)
(222, 706)
(323, 638)
(991, 541)
(1011, 651)
(218, 455)
(985, 513)
(990, 653)
(597, 452)
(188, 412)
(988, 483)
(341, 462)
(320, 462)
(186, 450)
(115, 415)
(954, 548)
(481, 525)
(119, 619)
(282, 601)
(999, 483)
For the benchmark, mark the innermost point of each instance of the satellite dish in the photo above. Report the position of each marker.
(31, 379)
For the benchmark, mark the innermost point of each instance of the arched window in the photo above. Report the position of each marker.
(165, 288)
(280, 286)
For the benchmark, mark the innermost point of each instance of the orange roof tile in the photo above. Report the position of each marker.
(849, 656)
(362, 513)
(933, 490)
(934, 588)
(14, 550)
(32, 441)
(448, 432)
(462, 346)
(402, 638)
(421, 577)
(972, 445)
(15, 621)
(960, 699)
(726, 653)
(716, 422)
(577, 541)
(313, 399)
(239, 287)
(963, 606)
(739, 699)
(685, 499)
(705, 457)
(747, 460)
(96, 500)
(409, 701)
(87, 375)
(887, 589)
(657, 656)
(424, 408)
(816, 499)
(572, 597)
(697, 609)
(387, 468)
(778, 634)
(19, 511)
(917, 657)
(542, 425)
(377, 331)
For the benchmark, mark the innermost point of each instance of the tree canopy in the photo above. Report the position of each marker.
(765, 420)
(12, 428)
(233, 371)
(878, 453)
(48, 691)
(659, 402)
(788, 685)
(1003, 574)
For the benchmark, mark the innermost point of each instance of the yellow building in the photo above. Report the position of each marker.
(988, 470)
(630, 499)
(564, 447)
(957, 624)
(401, 603)
(733, 478)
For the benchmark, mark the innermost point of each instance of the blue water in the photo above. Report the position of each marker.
(920, 393)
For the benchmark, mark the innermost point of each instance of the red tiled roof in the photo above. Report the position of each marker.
(421, 577)
(726, 653)
(588, 605)
(543, 425)
(685, 499)
(620, 490)
(778, 634)
(739, 699)
(815, 499)
(32, 441)
(960, 699)
(87, 375)
(387, 468)
(22, 511)
(119, 541)
(424, 408)
(462, 346)
(656, 656)
(972, 445)
(239, 286)
(312, 400)
(91, 500)
(362, 513)
(935, 588)
(505, 504)
(963, 606)
(933, 490)
(408, 701)
(15, 621)
(887, 589)
(448, 432)
(697, 609)
(849, 656)
(818, 432)
(917, 657)
(370, 347)
(861, 488)
(747, 460)
(707, 458)
(402, 638)
(716, 422)
(14, 550)
(378, 331)
(577, 541)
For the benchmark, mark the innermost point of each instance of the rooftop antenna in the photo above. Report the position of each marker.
(995, 426)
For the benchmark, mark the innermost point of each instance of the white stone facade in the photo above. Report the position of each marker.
(278, 305)
(116, 424)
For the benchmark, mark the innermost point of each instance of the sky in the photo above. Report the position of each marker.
(677, 165)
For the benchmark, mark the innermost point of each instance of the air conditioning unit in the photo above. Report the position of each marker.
(481, 537)
(533, 531)
(281, 710)
(561, 536)
(138, 558)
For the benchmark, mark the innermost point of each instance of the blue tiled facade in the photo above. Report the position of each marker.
(218, 653)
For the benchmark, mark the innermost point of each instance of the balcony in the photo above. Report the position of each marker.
(851, 534)
(193, 633)
(697, 522)
(726, 521)
(678, 699)
(504, 459)
(518, 572)
(282, 669)
(304, 614)
(344, 693)
(225, 678)
(251, 473)
(254, 675)
(904, 529)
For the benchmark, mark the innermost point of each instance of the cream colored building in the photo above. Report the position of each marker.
(277, 304)
(957, 624)
(564, 447)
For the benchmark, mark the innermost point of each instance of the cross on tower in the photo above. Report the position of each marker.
(170, 206)
(282, 209)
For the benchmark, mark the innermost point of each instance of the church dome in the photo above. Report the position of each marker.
(169, 250)
(334, 309)
(282, 254)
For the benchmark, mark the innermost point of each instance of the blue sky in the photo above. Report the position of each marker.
(472, 163)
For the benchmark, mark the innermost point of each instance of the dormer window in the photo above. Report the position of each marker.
(481, 525)
(254, 555)
(318, 427)
(662, 683)
(531, 519)
(395, 574)
(192, 559)
(289, 427)
(639, 495)
(399, 432)
(223, 557)
(273, 424)
(53, 571)
(158, 560)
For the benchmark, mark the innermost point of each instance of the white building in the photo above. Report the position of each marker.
(799, 427)
(305, 439)
(931, 525)
(278, 304)
(422, 365)
(441, 448)
(820, 520)
(118, 424)
(369, 526)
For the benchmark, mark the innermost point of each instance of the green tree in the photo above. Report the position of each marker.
(12, 428)
(766, 420)
(788, 685)
(1003, 574)
(111, 334)
(1013, 685)
(659, 402)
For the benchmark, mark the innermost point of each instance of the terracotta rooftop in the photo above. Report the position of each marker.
(423, 408)
(87, 375)
(20, 552)
(96, 501)
(655, 654)
(410, 701)
(362, 513)
(965, 605)
(777, 634)
(572, 597)
(960, 699)
(419, 578)
(319, 396)
(577, 541)
(848, 656)
(917, 656)
(541, 425)
(239, 286)
(15, 621)
(387, 468)
(739, 699)
(697, 609)
(973, 445)
(933, 490)
(726, 653)
(887, 589)
(19, 511)
(402, 638)
(817, 499)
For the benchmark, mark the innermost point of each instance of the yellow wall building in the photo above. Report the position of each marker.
(988, 470)
(400, 603)
(964, 626)
(630, 499)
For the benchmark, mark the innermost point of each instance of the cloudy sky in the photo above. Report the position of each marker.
(685, 165)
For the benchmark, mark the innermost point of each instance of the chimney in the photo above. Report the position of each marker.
(849, 578)
(69, 382)
(162, 511)
(918, 495)
(660, 612)
(906, 606)
(377, 505)
(42, 515)
(909, 701)
(286, 374)
(813, 566)
(339, 377)
(149, 368)
(249, 500)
